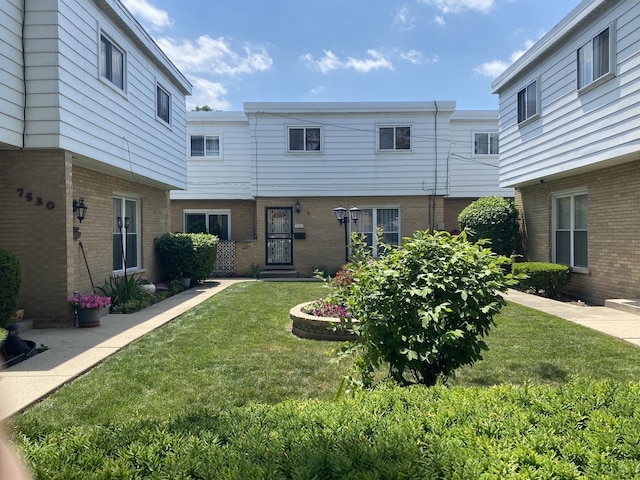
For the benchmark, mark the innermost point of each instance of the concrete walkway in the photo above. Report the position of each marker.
(73, 351)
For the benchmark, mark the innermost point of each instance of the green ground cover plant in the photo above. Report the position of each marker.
(225, 391)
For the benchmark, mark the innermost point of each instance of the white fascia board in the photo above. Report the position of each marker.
(471, 115)
(348, 107)
(573, 20)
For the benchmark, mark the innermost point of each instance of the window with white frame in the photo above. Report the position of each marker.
(111, 62)
(394, 137)
(216, 222)
(595, 58)
(126, 239)
(485, 143)
(163, 104)
(528, 102)
(387, 219)
(205, 146)
(304, 139)
(570, 229)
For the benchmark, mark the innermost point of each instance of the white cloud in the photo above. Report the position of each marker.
(215, 56)
(206, 92)
(331, 61)
(439, 20)
(318, 90)
(403, 19)
(457, 6)
(157, 19)
(494, 68)
(417, 58)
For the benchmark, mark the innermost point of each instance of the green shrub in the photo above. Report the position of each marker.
(423, 307)
(582, 430)
(190, 255)
(493, 218)
(10, 282)
(543, 277)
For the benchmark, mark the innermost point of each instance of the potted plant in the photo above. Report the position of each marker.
(86, 308)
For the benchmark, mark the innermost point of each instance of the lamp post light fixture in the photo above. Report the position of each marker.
(344, 219)
(80, 209)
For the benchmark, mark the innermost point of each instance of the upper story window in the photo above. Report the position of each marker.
(594, 58)
(304, 139)
(394, 138)
(528, 102)
(111, 62)
(485, 143)
(163, 104)
(205, 146)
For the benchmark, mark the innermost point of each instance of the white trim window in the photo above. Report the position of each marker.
(163, 104)
(570, 229)
(111, 62)
(126, 241)
(528, 102)
(485, 143)
(392, 138)
(385, 218)
(216, 222)
(305, 139)
(595, 59)
(207, 146)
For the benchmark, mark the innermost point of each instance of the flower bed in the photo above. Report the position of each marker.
(305, 325)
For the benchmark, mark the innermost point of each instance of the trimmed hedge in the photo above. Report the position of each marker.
(494, 218)
(10, 282)
(584, 429)
(190, 255)
(549, 278)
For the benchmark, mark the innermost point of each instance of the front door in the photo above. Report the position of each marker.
(279, 233)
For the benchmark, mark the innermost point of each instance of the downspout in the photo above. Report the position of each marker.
(435, 181)
(24, 76)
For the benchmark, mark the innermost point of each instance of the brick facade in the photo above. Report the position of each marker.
(323, 245)
(613, 217)
(37, 189)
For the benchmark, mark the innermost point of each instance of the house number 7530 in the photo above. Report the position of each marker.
(28, 196)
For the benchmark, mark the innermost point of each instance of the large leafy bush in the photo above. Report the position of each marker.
(187, 254)
(493, 218)
(423, 308)
(10, 282)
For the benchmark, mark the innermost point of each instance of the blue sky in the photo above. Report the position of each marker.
(234, 51)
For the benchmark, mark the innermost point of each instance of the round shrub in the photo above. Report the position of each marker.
(493, 218)
(424, 307)
(10, 282)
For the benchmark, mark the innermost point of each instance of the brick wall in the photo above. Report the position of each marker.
(613, 219)
(40, 231)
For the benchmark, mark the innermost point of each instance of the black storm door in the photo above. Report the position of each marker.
(279, 233)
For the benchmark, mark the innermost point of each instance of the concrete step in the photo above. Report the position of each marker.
(277, 273)
(625, 305)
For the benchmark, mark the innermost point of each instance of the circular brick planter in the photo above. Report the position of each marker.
(316, 328)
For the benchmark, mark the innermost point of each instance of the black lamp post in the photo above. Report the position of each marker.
(123, 239)
(343, 220)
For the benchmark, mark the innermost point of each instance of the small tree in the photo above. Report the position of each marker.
(493, 218)
(10, 282)
(423, 308)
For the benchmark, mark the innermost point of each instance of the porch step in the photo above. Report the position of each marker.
(272, 273)
(629, 306)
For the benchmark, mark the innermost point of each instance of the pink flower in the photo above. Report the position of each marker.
(89, 301)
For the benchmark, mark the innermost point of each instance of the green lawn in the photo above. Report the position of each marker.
(237, 349)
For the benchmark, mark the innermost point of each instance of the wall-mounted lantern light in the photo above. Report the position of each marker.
(80, 209)
(297, 206)
(344, 219)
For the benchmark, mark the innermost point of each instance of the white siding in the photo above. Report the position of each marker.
(11, 77)
(228, 177)
(349, 163)
(71, 107)
(574, 132)
(471, 175)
